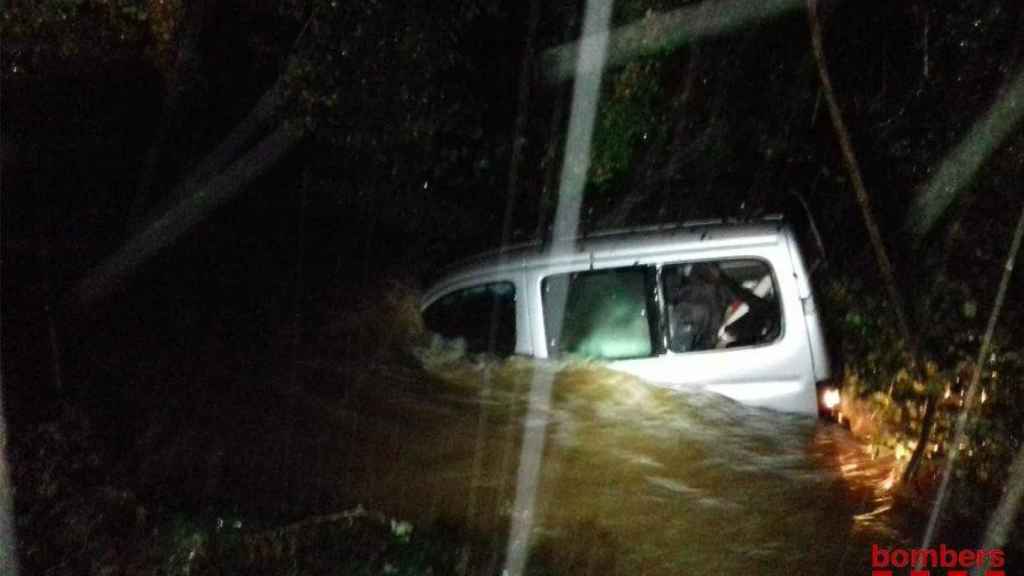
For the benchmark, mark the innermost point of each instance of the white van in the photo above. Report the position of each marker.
(718, 306)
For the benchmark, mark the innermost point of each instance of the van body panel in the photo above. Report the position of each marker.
(812, 321)
(780, 374)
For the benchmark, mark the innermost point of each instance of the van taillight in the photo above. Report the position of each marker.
(828, 399)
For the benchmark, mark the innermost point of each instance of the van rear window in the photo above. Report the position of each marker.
(602, 314)
(721, 304)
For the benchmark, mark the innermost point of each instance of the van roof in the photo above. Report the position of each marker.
(639, 240)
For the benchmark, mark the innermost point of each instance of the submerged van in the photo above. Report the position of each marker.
(717, 306)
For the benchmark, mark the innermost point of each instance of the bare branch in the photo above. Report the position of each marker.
(260, 119)
(881, 256)
(1003, 517)
(185, 83)
(519, 130)
(177, 220)
(959, 169)
(853, 169)
(660, 32)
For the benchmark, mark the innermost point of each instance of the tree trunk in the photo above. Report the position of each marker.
(292, 386)
(8, 544)
(184, 87)
(519, 130)
(260, 119)
(853, 170)
(549, 188)
(881, 256)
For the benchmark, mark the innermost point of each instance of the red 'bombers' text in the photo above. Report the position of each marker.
(941, 557)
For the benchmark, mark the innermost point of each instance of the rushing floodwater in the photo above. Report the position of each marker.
(635, 479)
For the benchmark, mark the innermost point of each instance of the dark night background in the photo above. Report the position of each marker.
(402, 136)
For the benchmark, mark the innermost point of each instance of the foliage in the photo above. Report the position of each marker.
(69, 519)
(41, 37)
(379, 322)
(412, 105)
(995, 433)
(377, 79)
(74, 517)
(877, 382)
(628, 117)
(352, 542)
(869, 342)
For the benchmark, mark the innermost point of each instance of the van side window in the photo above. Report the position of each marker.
(720, 304)
(484, 316)
(602, 314)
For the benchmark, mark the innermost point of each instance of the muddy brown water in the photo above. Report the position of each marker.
(634, 479)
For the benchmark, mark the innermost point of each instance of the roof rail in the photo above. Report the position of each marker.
(540, 245)
(669, 226)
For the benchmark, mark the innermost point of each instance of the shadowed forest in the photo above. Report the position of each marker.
(217, 218)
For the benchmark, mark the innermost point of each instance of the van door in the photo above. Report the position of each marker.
(607, 314)
(731, 325)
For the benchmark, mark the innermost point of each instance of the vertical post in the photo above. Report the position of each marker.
(8, 549)
(593, 46)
